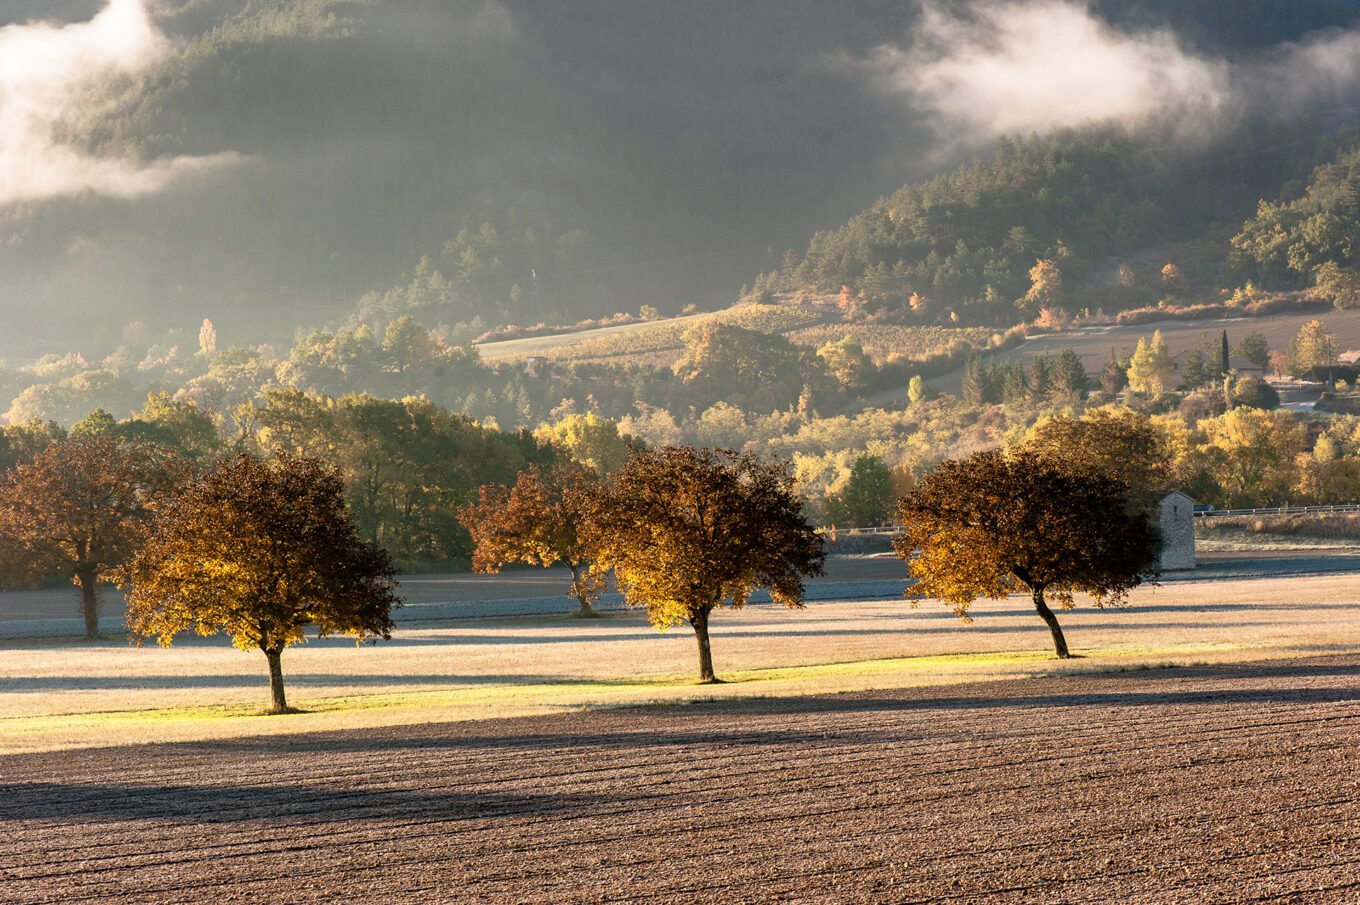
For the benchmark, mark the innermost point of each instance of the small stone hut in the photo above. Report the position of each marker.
(1176, 518)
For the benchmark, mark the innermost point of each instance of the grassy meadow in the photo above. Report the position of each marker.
(650, 342)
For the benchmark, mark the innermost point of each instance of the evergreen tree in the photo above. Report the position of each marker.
(1014, 388)
(867, 498)
(1069, 374)
(974, 385)
(1114, 376)
(1194, 373)
(1254, 348)
(1040, 378)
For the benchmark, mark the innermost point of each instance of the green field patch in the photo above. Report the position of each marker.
(504, 699)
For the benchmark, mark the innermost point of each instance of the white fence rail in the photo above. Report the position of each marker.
(1279, 510)
(894, 530)
(884, 530)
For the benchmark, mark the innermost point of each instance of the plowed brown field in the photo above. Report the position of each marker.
(1181, 785)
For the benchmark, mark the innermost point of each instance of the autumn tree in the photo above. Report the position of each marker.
(846, 362)
(758, 371)
(1114, 443)
(1251, 456)
(690, 530)
(1338, 285)
(1254, 392)
(1313, 347)
(916, 389)
(260, 550)
(80, 509)
(588, 439)
(207, 339)
(176, 424)
(997, 523)
(1114, 375)
(1045, 289)
(539, 521)
(1150, 366)
(1173, 280)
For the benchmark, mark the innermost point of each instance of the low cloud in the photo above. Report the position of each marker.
(989, 68)
(55, 78)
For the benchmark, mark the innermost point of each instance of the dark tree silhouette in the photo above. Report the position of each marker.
(994, 523)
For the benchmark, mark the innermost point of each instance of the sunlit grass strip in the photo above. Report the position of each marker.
(378, 709)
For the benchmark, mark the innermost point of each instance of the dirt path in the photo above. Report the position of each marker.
(1230, 784)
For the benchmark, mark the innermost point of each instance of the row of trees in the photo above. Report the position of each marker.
(688, 531)
(1245, 457)
(257, 549)
(684, 531)
(262, 549)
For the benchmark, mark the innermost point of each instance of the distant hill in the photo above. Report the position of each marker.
(554, 161)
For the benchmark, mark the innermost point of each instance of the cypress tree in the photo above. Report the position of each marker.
(974, 386)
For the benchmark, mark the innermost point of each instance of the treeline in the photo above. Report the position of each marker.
(407, 466)
(1035, 224)
(757, 371)
(1309, 241)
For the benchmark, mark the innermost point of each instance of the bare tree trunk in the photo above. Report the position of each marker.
(89, 602)
(278, 703)
(1059, 642)
(700, 623)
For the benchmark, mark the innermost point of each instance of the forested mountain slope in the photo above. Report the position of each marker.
(554, 161)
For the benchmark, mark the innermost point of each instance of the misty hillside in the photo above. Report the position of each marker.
(553, 161)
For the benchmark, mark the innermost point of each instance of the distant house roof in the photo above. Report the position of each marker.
(1350, 356)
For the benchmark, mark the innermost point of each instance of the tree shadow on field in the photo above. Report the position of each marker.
(977, 627)
(736, 723)
(41, 684)
(207, 804)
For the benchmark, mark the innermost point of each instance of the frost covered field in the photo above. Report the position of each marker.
(1204, 746)
(59, 693)
(1226, 784)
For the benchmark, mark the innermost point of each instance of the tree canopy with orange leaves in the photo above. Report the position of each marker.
(993, 524)
(690, 530)
(539, 521)
(261, 550)
(80, 509)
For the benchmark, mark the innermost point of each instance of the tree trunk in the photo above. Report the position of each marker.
(579, 592)
(89, 602)
(278, 703)
(700, 623)
(1059, 642)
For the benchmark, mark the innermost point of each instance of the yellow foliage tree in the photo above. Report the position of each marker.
(688, 531)
(588, 439)
(260, 551)
(1150, 367)
(994, 523)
